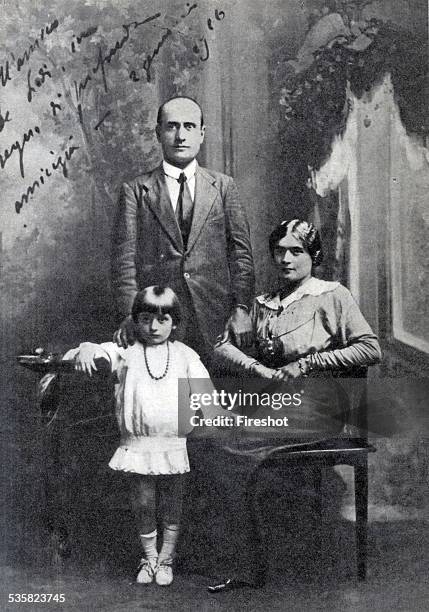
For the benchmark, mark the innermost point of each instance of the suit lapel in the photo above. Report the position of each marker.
(205, 195)
(158, 199)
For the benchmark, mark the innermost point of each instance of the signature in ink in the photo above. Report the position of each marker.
(60, 162)
(5, 73)
(219, 16)
(4, 120)
(19, 146)
(55, 106)
(147, 63)
(25, 57)
(37, 79)
(103, 59)
(89, 32)
(102, 120)
(38, 82)
(149, 58)
(197, 51)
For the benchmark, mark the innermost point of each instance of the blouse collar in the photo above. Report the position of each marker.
(314, 286)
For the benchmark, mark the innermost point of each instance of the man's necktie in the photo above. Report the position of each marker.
(184, 209)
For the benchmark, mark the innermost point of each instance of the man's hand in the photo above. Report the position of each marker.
(84, 361)
(125, 334)
(240, 326)
(289, 372)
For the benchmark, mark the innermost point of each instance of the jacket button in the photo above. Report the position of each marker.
(187, 275)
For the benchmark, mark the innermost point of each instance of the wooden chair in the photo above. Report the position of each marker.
(350, 448)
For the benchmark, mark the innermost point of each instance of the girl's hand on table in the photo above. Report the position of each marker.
(84, 360)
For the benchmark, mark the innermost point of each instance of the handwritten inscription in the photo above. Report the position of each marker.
(4, 120)
(204, 56)
(78, 39)
(103, 59)
(38, 82)
(5, 73)
(72, 88)
(55, 106)
(20, 61)
(149, 58)
(102, 120)
(60, 162)
(18, 146)
(147, 63)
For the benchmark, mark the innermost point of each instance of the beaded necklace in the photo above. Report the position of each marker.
(166, 365)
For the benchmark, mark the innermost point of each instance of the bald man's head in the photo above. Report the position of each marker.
(161, 108)
(180, 130)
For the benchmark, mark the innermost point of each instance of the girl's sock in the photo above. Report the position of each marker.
(148, 541)
(171, 533)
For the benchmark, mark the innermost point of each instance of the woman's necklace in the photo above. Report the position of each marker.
(166, 365)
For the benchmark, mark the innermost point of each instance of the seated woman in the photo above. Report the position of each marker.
(305, 328)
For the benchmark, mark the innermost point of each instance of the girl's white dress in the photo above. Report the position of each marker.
(147, 410)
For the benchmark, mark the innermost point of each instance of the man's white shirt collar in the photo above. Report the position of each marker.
(174, 172)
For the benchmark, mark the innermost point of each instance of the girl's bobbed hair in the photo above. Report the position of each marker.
(157, 300)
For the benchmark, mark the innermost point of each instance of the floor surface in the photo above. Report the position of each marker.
(397, 581)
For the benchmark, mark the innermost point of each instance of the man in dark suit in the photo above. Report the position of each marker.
(183, 226)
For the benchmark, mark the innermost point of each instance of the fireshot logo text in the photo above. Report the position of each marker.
(229, 401)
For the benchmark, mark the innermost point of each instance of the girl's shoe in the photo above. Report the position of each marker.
(146, 571)
(164, 573)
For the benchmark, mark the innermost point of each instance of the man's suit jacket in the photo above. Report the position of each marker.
(215, 272)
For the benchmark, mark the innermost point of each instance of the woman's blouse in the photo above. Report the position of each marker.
(320, 319)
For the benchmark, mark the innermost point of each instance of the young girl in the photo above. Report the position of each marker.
(147, 397)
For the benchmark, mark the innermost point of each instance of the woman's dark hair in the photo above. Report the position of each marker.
(157, 300)
(303, 231)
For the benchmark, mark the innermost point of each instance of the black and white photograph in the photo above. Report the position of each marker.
(214, 303)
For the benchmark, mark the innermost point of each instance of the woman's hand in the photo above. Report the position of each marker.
(270, 351)
(84, 360)
(289, 372)
(266, 349)
(263, 371)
